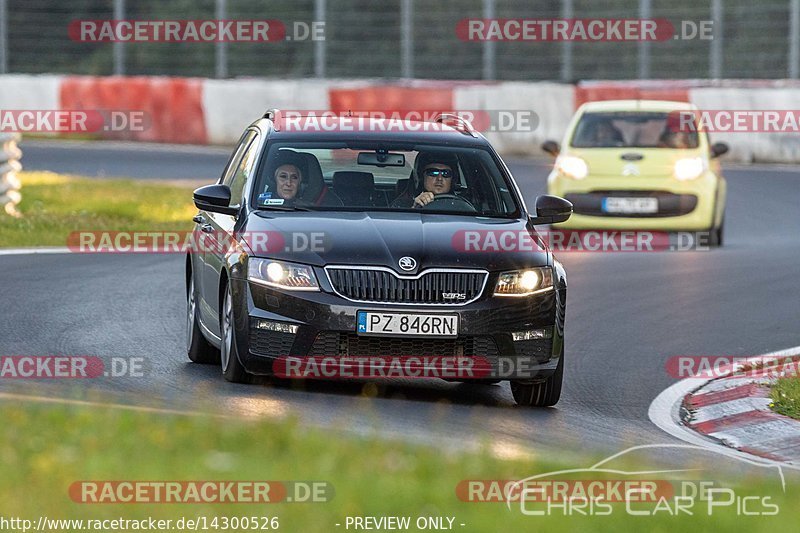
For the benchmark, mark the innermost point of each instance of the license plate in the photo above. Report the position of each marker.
(630, 205)
(413, 324)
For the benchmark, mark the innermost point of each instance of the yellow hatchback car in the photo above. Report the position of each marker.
(625, 165)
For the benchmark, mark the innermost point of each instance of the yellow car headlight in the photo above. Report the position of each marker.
(689, 168)
(572, 167)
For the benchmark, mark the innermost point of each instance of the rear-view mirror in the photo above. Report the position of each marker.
(381, 159)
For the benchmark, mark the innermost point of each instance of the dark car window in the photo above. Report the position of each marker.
(243, 170)
(236, 159)
(475, 181)
(632, 129)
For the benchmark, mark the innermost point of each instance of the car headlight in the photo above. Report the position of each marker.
(689, 168)
(573, 167)
(524, 282)
(282, 274)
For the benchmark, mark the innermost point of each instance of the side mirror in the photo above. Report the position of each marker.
(551, 210)
(717, 149)
(551, 147)
(215, 198)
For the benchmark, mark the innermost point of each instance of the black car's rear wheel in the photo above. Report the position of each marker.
(543, 394)
(198, 348)
(232, 368)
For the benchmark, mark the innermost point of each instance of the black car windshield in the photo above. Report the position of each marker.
(634, 129)
(411, 177)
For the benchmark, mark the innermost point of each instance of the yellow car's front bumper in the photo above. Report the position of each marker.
(709, 190)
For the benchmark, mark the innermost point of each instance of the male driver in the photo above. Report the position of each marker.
(435, 174)
(437, 179)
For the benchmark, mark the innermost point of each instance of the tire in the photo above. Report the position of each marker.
(716, 236)
(232, 369)
(543, 394)
(198, 348)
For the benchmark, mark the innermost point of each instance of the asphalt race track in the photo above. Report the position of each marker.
(627, 313)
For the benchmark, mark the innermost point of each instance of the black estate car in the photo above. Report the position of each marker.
(354, 247)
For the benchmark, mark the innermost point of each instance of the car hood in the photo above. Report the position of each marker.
(376, 238)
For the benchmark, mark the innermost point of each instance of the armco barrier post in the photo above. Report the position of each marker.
(9, 166)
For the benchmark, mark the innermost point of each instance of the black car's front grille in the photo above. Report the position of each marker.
(331, 343)
(370, 285)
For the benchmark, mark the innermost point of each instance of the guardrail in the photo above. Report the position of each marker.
(10, 155)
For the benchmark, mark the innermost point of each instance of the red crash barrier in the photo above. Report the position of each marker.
(630, 91)
(392, 99)
(418, 103)
(172, 107)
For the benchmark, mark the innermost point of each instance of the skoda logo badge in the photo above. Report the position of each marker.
(407, 263)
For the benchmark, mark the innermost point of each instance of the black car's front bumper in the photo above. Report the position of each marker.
(326, 328)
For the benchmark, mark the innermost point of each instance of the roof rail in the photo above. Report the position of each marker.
(456, 121)
(275, 116)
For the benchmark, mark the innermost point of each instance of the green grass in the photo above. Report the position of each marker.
(54, 205)
(786, 396)
(47, 447)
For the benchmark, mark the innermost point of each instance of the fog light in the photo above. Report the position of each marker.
(531, 334)
(280, 327)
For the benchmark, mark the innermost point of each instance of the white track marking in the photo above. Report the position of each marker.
(86, 403)
(31, 251)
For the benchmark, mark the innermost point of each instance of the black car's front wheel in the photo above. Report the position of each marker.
(198, 348)
(232, 368)
(543, 394)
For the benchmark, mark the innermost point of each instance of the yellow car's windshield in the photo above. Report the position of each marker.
(632, 129)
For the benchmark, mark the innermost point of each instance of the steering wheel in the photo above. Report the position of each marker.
(451, 199)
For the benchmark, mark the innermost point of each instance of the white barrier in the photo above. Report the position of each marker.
(22, 91)
(551, 105)
(9, 166)
(752, 147)
(231, 105)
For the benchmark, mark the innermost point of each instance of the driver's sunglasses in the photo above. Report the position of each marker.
(439, 172)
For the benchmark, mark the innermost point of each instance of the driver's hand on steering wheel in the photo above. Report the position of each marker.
(423, 199)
